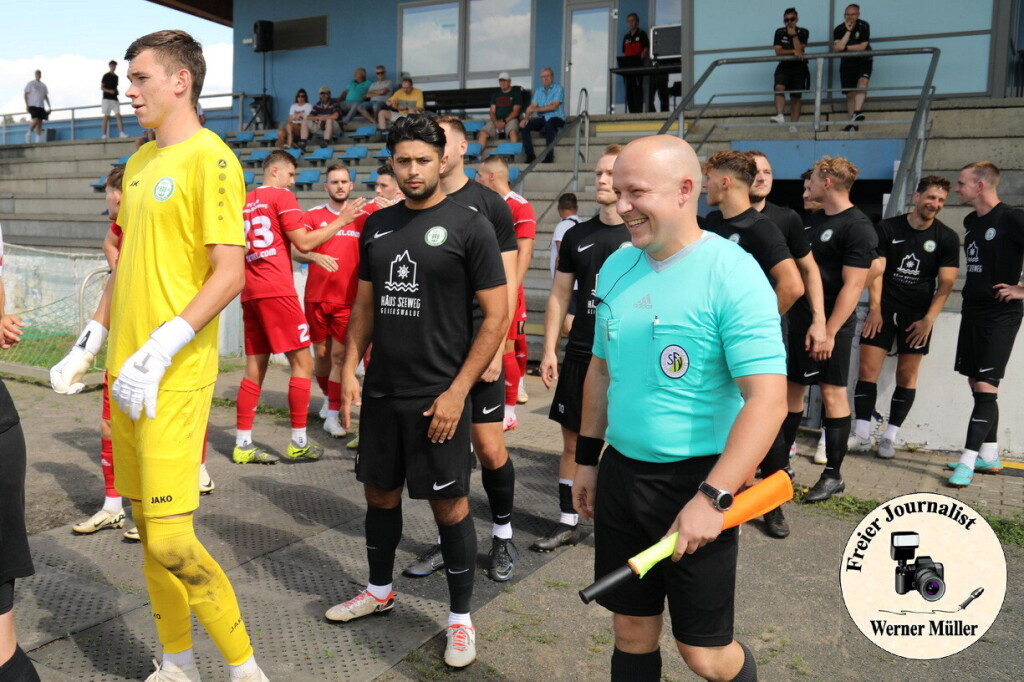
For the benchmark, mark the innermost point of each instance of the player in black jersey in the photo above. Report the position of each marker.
(843, 242)
(791, 76)
(852, 36)
(422, 265)
(729, 175)
(916, 250)
(580, 256)
(994, 245)
(487, 398)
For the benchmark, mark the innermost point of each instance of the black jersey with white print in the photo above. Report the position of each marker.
(994, 245)
(425, 266)
(755, 233)
(785, 41)
(912, 261)
(583, 251)
(846, 239)
(791, 225)
(490, 205)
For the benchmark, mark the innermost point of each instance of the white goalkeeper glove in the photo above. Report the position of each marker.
(66, 376)
(139, 379)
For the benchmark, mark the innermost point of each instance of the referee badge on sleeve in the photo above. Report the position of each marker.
(674, 361)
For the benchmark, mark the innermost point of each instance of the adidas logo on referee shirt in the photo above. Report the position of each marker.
(644, 302)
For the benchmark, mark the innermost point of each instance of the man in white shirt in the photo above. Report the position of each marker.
(36, 95)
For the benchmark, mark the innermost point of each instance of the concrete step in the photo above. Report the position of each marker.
(54, 230)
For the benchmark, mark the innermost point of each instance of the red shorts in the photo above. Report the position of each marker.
(105, 413)
(518, 326)
(327, 318)
(274, 325)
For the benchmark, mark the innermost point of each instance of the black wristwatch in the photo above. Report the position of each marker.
(722, 499)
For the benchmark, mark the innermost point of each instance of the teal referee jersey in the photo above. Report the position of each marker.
(675, 334)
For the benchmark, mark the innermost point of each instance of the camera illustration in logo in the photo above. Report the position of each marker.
(924, 575)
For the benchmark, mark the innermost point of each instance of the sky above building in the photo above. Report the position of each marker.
(71, 41)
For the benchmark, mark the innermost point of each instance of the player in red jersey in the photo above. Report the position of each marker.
(273, 318)
(494, 175)
(331, 284)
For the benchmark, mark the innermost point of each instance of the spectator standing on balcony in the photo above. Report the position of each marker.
(36, 95)
(376, 98)
(297, 113)
(506, 106)
(544, 113)
(854, 72)
(322, 118)
(353, 95)
(110, 105)
(790, 76)
(406, 100)
(635, 44)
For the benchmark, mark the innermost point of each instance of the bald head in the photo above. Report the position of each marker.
(658, 182)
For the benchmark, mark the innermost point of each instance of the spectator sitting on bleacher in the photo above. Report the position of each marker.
(406, 100)
(506, 106)
(353, 95)
(544, 113)
(322, 119)
(376, 97)
(297, 113)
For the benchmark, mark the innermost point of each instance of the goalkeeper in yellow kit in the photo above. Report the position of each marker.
(182, 261)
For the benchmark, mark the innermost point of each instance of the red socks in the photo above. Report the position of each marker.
(298, 401)
(107, 464)
(508, 361)
(245, 404)
(333, 395)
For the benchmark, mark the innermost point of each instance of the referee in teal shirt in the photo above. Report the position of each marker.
(688, 387)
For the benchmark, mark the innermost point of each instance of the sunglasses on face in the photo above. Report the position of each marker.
(789, 20)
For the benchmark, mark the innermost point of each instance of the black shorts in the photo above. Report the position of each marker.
(793, 77)
(636, 503)
(567, 403)
(15, 559)
(894, 329)
(986, 340)
(802, 369)
(38, 112)
(851, 70)
(486, 400)
(394, 449)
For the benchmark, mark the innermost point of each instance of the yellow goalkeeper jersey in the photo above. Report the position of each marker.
(176, 200)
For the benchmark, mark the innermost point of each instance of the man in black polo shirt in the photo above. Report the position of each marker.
(916, 250)
(488, 394)
(423, 262)
(790, 40)
(583, 251)
(994, 245)
(843, 242)
(855, 71)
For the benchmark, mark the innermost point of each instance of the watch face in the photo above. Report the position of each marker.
(724, 501)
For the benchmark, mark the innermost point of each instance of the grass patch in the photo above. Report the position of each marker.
(1008, 529)
(557, 583)
(260, 409)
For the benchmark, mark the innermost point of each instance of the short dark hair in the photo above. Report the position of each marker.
(278, 156)
(853, 4)
(567, 202)
(453, 122)
(175, 50)
(301, 91)
(417, 128)
(112, 63)
(633, 15)
(790, 10)
(115, 178)
(933, 181)
(385, 169)
(739, 164)
(336, 167)
(806, 175)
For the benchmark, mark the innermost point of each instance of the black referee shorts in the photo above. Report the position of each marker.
(802, 369)
(793, 77)
(567, 403)
(487, 400)
(894, 330)
(636, 503)
(852, 70)
(986, 340)
(394, 449)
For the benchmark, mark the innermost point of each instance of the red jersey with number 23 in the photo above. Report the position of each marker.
(339, 286)
(269, 213)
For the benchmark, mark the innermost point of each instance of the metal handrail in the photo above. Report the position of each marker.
(582, 119)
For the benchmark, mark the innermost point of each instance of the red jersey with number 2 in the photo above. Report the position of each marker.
(339, 286)
(269, 213)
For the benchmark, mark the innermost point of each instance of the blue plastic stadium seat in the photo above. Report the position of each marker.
(473, 127)
(473, 151)
(249, 177)
(122, 161)
(100, 185)
(354, 153)
(320, 156)
(471, 173)
(384, 153)
(269, 138)
(256, 156)
(371, 179)
(513, 174)
(242, 139)
(307, 178)
(509, 149)
(363, 133)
